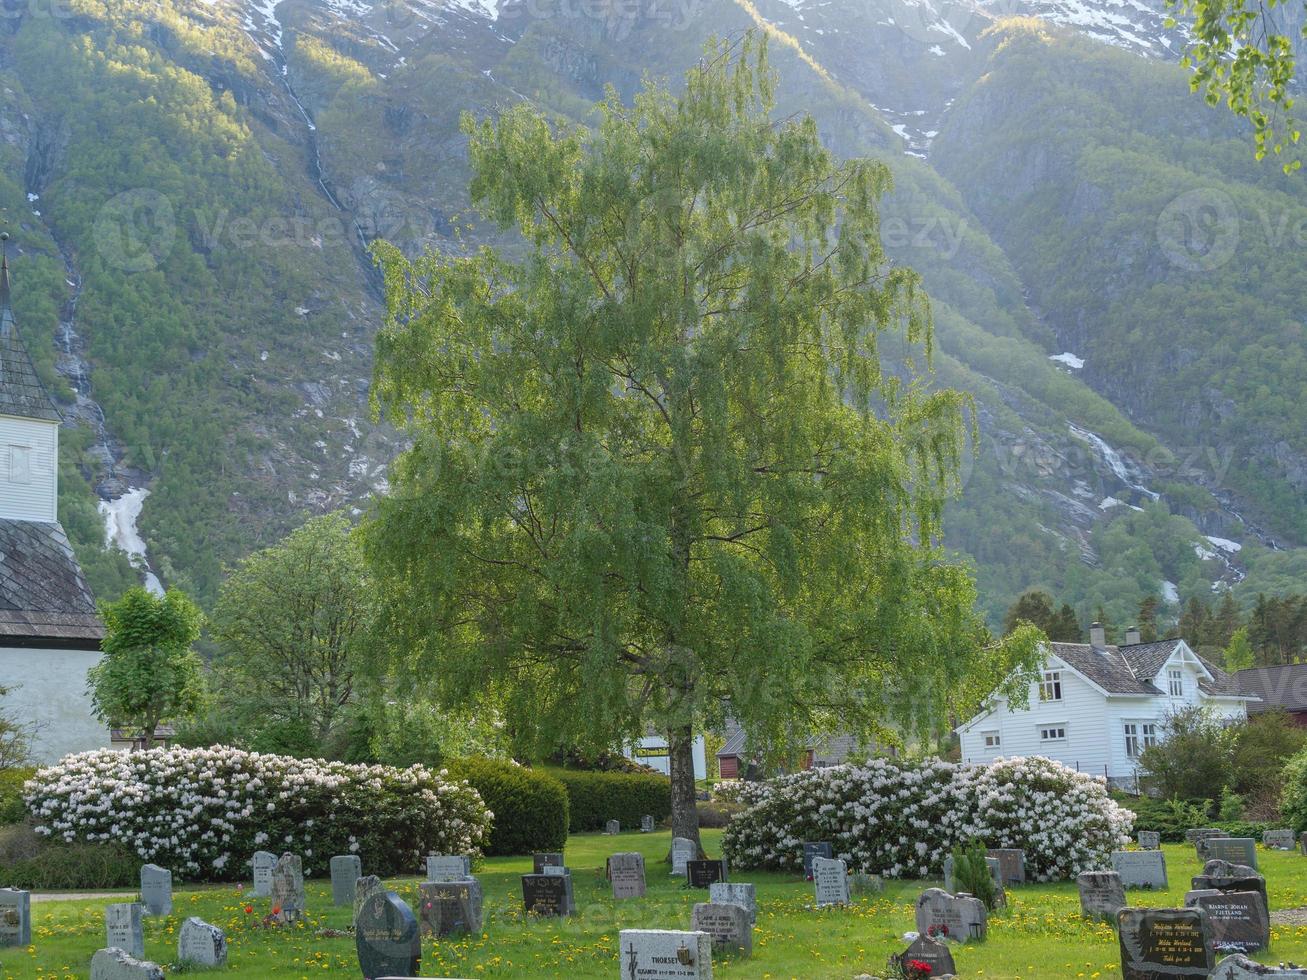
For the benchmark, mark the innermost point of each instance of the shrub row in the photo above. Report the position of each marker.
(34, 862)
(204, 812)
(597, 797)
(901, 819)
(530, 806)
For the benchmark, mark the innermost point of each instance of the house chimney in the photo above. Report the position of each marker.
(1097, 636)
(1132, 636)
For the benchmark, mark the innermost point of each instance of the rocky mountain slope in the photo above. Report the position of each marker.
(194, 185)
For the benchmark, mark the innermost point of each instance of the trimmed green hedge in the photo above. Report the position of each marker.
(12, 808)
(530, 806)
(34, 862)
(597, 797)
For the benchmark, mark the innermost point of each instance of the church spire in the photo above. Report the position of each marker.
(21, 391)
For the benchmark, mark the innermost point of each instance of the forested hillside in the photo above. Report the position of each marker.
(193, 186)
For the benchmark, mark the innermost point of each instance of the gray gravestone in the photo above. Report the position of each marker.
(287, 893)
(1101, 894)
(453, 867)
(815, 849)
(1175, 944)
(1195, 834)
(1240, 967)
(450, 907)
(1149, 840)
(546, 859)
(613, 827)
(728, 925)
(956, 917)
(934, 954)
(547, 895)
(1239, 920)
(201, 943)
(647, 824)
(15, 917)
(626, 872)
(1278, 840)
(122, 928)
(118, 964)
(156, 890)
(661, 954)
(830, 878)
(683, 851)
(1236, 850)
(365, 888)
(263, 862)
(386, 937)
(346, 870)
(1011, 863)
(738, 893)
(1140, 869)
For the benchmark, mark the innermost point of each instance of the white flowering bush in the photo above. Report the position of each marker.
(204, 812)
(902, 819)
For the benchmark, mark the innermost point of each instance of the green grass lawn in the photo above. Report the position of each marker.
(1040, 935)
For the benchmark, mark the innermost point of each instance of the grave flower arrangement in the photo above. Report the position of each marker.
(204, 812)
(901, 818)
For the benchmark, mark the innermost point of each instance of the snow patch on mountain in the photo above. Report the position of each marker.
(1069, 359)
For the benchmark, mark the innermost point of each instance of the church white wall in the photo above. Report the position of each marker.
(29, 474)
(47, 688)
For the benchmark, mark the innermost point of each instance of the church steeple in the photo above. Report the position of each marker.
(21, 391)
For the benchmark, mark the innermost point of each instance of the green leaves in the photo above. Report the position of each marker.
(657, 470)
(149, 674)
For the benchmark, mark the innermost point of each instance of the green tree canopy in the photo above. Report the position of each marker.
(658, 473)
(149, 674)
(1035, 607)
(294, 622)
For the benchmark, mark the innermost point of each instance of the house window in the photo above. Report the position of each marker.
(20, 464)
(992, 739)
(1050, 688)
(1175, 680)
(1150, 734)
(1052, 733)
(1131, 740)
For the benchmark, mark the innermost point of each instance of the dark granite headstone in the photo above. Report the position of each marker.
(701, 874)
(1195, 834)
(1238, 883)
(647, 824)
(1239, 920)
(815, 849)
(1164, 944)
(386, 937)
(547, 894)
(934, 954)
(446, 908)
(1236, 850)
(547, 859)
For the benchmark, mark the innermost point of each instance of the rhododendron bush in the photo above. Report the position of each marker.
(204, 812)
(902, 819)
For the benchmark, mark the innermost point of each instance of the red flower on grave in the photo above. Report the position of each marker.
(917, 969)
(249, 909)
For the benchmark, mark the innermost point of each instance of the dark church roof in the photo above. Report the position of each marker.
(43, 595)
(21, 391)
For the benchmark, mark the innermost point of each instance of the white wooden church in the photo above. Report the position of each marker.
(49, 630)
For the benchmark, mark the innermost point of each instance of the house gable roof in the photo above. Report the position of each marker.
(1276, 687)
(43, 594)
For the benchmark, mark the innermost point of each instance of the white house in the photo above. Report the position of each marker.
(49, 631)
(1098, 706)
